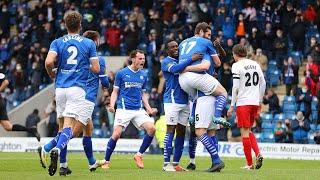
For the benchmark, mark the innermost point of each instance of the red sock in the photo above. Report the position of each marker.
(254, 144)
(247, 149)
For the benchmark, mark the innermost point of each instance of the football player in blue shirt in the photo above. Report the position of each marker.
(196, 78)
(175, 104)
(91, 95)
(129, 93)
(74, 55)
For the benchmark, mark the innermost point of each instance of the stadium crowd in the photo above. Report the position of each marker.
(281, 35)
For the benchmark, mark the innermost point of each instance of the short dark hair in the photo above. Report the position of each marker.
(202, 26)
(72, 20)
(93, 35)
(240, 50)
(133, 53)
(167, 43)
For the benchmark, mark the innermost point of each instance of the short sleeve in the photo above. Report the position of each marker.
(92, 51)
(235, 72)
(54, 47)
(118, 79)
(210, 49)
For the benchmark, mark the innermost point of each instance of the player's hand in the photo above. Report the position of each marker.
(230, 111)
(111, 109)
(153, 111)
(216, 43)
(196, 56)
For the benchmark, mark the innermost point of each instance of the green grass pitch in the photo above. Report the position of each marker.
(26, 166)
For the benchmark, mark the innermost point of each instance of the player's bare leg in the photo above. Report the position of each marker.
(117, 130)
(150, 128)
(247, 148)
(217, 164)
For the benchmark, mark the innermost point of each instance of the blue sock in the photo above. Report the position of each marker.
(63, 155)
(178, 149)
(87, 147)
(192, 146)
(219, 105)
(110, 147)
(50, 145)
(207, 142)
(193, 111)
(215, 142)
(145, 143)
(167, 147)
(64, 138)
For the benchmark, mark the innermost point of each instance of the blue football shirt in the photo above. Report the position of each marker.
(74, 53)
(173, 92)
(131, 84)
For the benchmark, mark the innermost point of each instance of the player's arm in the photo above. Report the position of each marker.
(203, 66)
(115, 92)
(49, 63)
(221, 51)
(94, 60)
(145, 101)
(214, 55)
(177, 68)
(103, 76)
(235, 89)
(262, 84)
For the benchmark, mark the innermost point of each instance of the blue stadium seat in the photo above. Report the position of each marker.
(290, 115)
(97, 133)
(266, 117)
(267, 125)
(274, 77)
(296, 56)
(289, 99)
(278, 117)
(268, 137)
(311, 138)
(314, 104)
(318, 127)
(313, 127)
(258, 136)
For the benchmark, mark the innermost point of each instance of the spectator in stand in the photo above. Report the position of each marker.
(287, 16)
(272, 99)
(19, 83)
(226, 75)
(310, 47)
(228, 28)
(137, 17)
(51, 112)
(303, 100)
(255, 38)
(279, 133)
(290, 75)
(4, 50)
(240, 28)
(300, 128)
(250, 15)
(112, 38)
(310, 14)
(315, 53)
(280, 48)
(4, 21)
(288, 131)
(245, 42)
(35, 78)
(261, 59)
(267, 40)
(297, 33)
(317, 137)
(32, 120)
(131, 36)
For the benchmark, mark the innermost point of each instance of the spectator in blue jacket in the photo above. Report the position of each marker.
(304, 99)
(300, 127)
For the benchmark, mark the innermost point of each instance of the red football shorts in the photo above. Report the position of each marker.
(246, 115)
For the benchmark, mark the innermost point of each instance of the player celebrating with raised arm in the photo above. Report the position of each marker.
(91, 95)
(175, 105)
(247, 94)
(130, 94)
(4, 119)
(74, 55)
(196, 78)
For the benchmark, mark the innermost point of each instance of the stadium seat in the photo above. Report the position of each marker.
(268, 137)
(278, 117)
(274, 77)
(97, 133)
(267, 125)
(290, 115)
(318, 127)
(258, 136)
(266, 117)
(314, 116)
(313, 127)
(311, 138)
(296, 56)
(314, 104)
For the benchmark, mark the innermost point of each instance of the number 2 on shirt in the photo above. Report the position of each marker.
(187, 46)
(72, 58)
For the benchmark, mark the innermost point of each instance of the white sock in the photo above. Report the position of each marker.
(64, 165)
(193, 160)
(139, 154)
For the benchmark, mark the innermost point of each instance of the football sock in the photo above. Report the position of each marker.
(110, 147)
(87, 147)
(178, 149)
(51, 144)
(145, 143)
(215, 142)
(64, 138)
(192, 146)
(219, 105)
(208, 144)
(63, 155)
(247, 149)
(167, 147)
(254, 144)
